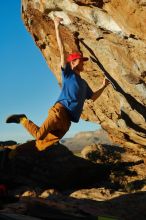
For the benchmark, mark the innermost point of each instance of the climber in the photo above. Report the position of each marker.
(69, 105)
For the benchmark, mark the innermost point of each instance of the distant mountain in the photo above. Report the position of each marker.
(82, 139)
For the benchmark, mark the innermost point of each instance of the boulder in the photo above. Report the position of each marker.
(56, 167)
(112, 33)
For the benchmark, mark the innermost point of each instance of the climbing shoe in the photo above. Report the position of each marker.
(15, 118)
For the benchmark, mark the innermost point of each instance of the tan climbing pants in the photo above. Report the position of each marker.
(52, 130)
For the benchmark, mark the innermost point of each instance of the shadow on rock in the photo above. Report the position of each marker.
(57, 167)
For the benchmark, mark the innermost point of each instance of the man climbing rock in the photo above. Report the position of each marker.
(69, 105)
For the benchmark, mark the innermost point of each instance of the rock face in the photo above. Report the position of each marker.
(113, 35)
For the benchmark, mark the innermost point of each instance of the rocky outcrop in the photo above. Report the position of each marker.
(58, 168)
(55, 184)
(7, 143)
(55, 167)
(112, 33)
(119, 159)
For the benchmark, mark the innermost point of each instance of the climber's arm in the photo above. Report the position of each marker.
(57, 21)
(100, 90)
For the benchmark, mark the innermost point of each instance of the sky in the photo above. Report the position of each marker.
(26, 83)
